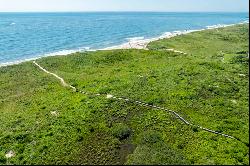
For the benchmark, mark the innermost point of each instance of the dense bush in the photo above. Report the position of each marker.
(150, 137)
(121, 131)
(243, 59)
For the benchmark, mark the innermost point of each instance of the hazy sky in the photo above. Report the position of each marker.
(124, 5)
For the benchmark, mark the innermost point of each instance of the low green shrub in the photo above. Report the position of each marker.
(150, 137)
(121, 131)
(158, 154)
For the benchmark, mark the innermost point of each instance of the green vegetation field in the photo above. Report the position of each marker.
(42, 122)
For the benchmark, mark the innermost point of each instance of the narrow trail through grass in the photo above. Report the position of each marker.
(135, 102)
(60, 78)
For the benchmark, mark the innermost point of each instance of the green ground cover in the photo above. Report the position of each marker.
(43, 122)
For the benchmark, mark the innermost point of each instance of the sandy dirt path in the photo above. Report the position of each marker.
(60, 78)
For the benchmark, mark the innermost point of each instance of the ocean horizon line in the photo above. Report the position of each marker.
(124, 11)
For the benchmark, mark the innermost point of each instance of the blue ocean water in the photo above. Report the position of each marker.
(29, 35)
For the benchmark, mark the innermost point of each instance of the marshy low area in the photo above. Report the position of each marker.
(205, 80)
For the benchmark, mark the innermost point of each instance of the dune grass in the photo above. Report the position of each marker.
(43, 122)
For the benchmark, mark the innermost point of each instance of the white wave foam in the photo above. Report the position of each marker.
(218, 26)
(57, 53)
(17, 62)
(66, 52)
(132, 39)
(245, 22)
(12, 23)
(135, 42)
(225, 25)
